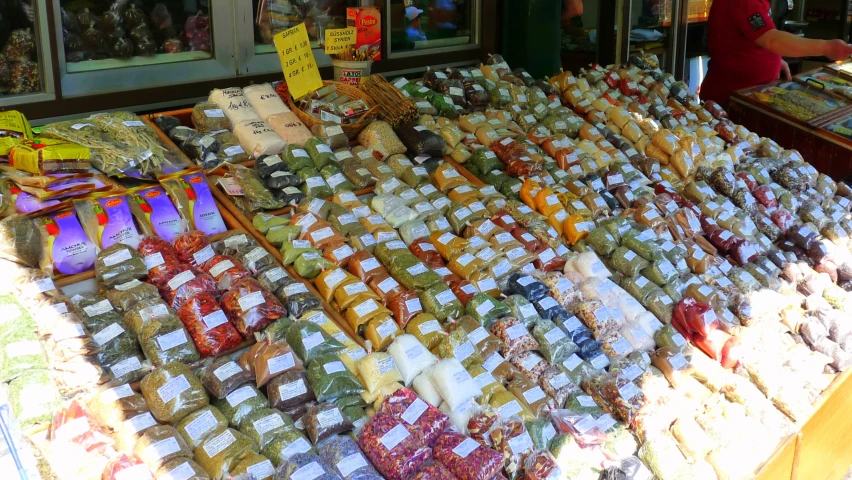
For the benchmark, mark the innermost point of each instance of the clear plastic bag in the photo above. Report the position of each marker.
(172, 392)
(222, 451)
(164, 340)
(151, 451)
(223, 376)
(329, 378)
(119, 264)
(393, 450)
(343, 455)
(290, 389)
(240, 403)
(453, 382)
(250, 307)
(325, 420)
(208, 325)
(466, 458)
(514, 335)
(199, 425)
(410, 356)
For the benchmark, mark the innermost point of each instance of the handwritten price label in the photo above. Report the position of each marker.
(297, 61)
(339, 39)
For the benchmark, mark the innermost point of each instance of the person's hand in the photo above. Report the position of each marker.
(785, 71)
(837, 49)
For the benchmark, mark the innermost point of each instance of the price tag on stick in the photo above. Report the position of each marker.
(339, 39)
(297, 61)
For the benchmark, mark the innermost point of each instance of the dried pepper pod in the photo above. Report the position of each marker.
(250, 307)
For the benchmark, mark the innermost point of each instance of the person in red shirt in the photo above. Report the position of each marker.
(746, 48)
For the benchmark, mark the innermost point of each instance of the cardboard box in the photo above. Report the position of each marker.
(368, 22)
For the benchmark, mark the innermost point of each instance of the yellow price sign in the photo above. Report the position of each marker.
(339, 39)
(297, 61)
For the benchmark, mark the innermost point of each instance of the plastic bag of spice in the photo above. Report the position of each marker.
(20, 240)
(264, 424)
(250, 307)
(208, 325)
(149, 449)
(164, 340)
(514, 336)
(240, 403)
(125, 295)
(222, 451)
(200, 425)
(345, 458)
(273, 359)
(290, 389)
(309, 341)
(172, 392)
(184, 282)
(466, 458)
(323, 421)
(390, 446)
(119, 264)
(330, 379)
(223, 376)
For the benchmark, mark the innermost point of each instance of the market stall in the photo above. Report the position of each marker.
(473, 275)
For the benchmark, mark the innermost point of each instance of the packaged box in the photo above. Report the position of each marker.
(368, 22)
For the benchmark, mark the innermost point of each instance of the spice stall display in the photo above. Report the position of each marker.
(589, 276)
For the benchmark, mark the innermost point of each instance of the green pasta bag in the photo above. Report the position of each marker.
(309, 341)
(440, 301)
(297, 158)
(330, 379)
(320, 153)
(485, 309)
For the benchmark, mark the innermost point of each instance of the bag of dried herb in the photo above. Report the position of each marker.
(309, 341)
(239, 403)
(33, 398)
(329, 378)
(200, 425)
(221, 451)
(290, 390)
(305, 465)
(20, 240)
(119, 264)
(325, 420)
(160, 444)
(165, 340)
(125, 295)
(173, 392)
(264, 424)
(181, 468)
(223, 376)
(342, 454)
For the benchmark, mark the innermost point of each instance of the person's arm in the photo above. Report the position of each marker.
(571, 9)
(789, 45)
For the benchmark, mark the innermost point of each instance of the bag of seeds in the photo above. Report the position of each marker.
(173, 392)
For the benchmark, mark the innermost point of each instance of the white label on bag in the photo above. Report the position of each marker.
(227, 371)
(312, 340)
(201, 425)
(521, 443)
(517, 331)
(386, 329)
(219, 443)
(554, 335)
(429, 327)
(445, 297)
(122, 368)
(102, 337)
(221, 267)
(628, 391)
(533, 395)
(633, 372)
(622, 347)
(240, 395)
(117, 393)
(413, 305)
(351, 463)
(72, 429)
(417, 269)
(531, 361)
(180, 279)
(329, 418)
(117, 257)
(247, 302)
(98, 309)
(463, 351)
(414, 411)
(354, 288)
(173, 388)
(547, 303)
(600, 361)
(547, 255)
(368, 306)
(387, 285)
(172, 339)
(508, 409)
(281, 363)
(334, 367)
(292, 389)
(394, 437)
(484, 379)
(484, 308)
(678, 361)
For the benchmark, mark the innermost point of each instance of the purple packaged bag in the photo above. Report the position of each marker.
(107, 221)
(67, 249)
(155, 213)
(191, 194)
